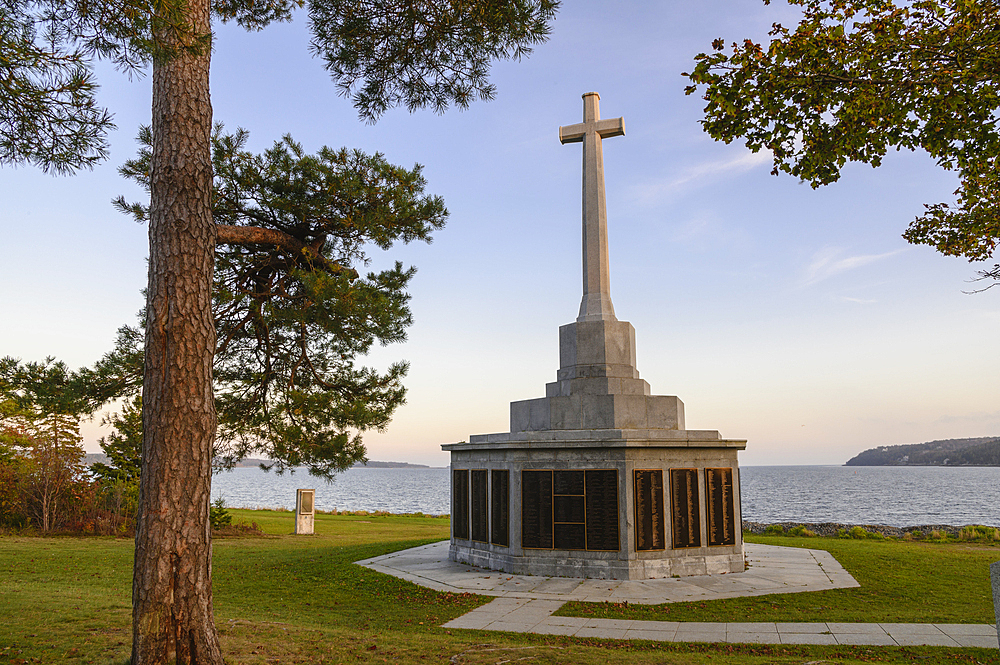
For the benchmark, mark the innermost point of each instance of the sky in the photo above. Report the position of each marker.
(797, 319)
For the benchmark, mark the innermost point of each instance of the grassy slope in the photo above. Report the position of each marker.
(901, 582)
(300, 599)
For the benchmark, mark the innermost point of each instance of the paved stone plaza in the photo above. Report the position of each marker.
(525, 604)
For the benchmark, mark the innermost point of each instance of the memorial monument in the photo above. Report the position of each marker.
(599, 478)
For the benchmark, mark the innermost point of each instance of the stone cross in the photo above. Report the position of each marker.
(596, 304)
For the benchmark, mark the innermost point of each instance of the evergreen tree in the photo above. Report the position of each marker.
(44, 405)
(291, 318)
(381, 54)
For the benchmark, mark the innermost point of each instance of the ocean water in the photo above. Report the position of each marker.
(896, 496)
(892, 495)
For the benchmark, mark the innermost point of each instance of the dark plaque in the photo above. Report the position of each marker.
(500, 507)
(569, 536)
(536, 509)
(460, 503)
(568, 509)
(480, 505)
(602, 510)
(649, 510)
(569, 516)
(567, 482)
(685, 508)
(721, 507)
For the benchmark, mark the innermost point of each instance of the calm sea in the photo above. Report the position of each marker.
(897, 496)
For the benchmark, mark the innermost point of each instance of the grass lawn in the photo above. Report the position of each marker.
(299, 599)
(901, 582)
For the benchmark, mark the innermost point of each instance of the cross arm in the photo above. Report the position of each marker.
(610, 127)
(572, 133)
(603, 128)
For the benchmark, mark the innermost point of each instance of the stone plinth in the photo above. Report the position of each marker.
(624, 451)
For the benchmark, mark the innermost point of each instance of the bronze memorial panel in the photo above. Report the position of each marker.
(500, 507)
(460, 503)
(536, 509)
(649, 519)
(685, 508)
(569, 519)
(480, 505)
(721, 506)
(602, 509)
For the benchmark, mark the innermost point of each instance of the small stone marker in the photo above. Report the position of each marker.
(305, 511)
(995, 579)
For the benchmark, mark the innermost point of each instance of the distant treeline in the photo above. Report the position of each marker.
(252, 462)
(983, 451)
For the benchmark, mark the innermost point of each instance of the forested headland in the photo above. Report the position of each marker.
(982, 451)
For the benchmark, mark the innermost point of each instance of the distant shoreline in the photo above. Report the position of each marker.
(253, 462)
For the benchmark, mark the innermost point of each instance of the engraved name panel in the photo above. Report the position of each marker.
(568, 511)
(480, 505)
(536, 509)
(460, 503)
(500, 507)
(649, 518)
(685, 508)
(721, 506)
(602, 509)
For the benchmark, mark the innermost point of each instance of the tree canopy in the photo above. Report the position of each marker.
(857, 77)
(291, 311)
(382, 54)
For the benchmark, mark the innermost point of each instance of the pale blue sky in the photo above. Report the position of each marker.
(796, 318)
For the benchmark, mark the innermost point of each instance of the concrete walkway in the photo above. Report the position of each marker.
(525, 603)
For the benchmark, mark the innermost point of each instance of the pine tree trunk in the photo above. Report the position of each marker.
(172, 619)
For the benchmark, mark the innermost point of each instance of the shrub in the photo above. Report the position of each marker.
(801, 531)
(774, 530)
(979, 533)
(218, 515)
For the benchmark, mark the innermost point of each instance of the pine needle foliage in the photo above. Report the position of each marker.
(292, 317)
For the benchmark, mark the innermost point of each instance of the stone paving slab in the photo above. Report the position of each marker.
(526, 603)
(772, 569)
(534, 616)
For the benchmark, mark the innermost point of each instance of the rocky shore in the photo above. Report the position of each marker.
(831, 528)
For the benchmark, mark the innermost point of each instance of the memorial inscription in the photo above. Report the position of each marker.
(480, 505)
(602, 510)
(500, 507)
(536, 509)
(685, 508)
(570, 510)
(721, 507)
(460, 503)
(649, 518)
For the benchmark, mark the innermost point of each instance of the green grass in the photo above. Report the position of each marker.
(901, 582)
(281, 598)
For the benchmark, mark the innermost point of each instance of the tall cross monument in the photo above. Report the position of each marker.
(599, 478)
(596, 304)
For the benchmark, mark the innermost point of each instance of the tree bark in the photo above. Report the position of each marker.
(172, 618)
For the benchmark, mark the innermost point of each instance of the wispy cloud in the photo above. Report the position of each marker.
(693, 176)
(828, 262)
(863, 301)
